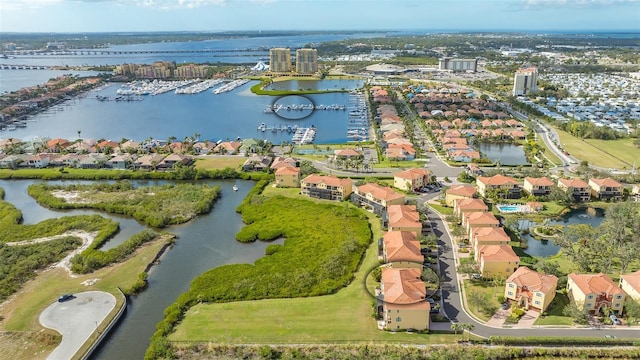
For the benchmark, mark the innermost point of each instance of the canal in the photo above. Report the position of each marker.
(204, 243)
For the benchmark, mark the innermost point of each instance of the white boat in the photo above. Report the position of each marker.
(235, 187)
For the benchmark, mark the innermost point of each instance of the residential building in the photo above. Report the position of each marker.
(469, 65)
(404, 218)
(401, 249)
(172, 159)
(288, 176)
(257, 163)
(461, 206)
(404, 294)
(376, 198)
(497, 261)
(530, 289)
(525, 81)
(580, 189)
(149, 161)
(605, 189)
(306, 61)
(481, 236)
(537, 186)
(459, 192)
(594, 292)
(326, 187)
(121, 161)
(280, 60)
(635, 193)
(39, 160)
(472, 220)
(228, 147)
(630, 284)
(504, 186)
(412, 179)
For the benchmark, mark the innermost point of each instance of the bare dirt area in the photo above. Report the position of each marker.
(71, 197)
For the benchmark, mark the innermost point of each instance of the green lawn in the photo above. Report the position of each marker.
(341, 317)
(444, 210)
(482, 297)
(619, 154)
(220, 162)
(554, 311)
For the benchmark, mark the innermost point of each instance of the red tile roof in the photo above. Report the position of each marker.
(403, 286)
(497, 253)
(533, 280)
(379, 192)
(633, 279)
(462, 190)
(412, 174)
(595, 284)
(402, 246)
(497, 180)
(328, 180)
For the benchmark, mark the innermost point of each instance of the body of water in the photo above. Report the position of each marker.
(13, 80)
(547, 247)
(203, 243)
(229, 115)
(508, 154)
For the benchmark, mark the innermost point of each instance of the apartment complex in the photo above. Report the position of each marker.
(306, 61)
(280, 60)
(525, 81)
(531, 289)
(595, 291)
(326, 187)
(458, 64)
(404, 305)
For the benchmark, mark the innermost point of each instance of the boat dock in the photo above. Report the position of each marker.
(230, 86)
(275, 108)
(359, 124)
(304, 136)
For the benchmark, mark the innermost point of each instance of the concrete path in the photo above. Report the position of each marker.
(76, 320)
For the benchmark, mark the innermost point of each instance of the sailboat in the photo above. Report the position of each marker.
(235, 187)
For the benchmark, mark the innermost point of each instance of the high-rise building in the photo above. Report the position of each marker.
(458, 64)
(525, 81)
(280, 60)
(306, 61)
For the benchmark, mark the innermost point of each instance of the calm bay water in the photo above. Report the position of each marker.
(216, 117)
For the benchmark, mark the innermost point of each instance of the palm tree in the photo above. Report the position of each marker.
(79, 133)
(455, 327)
(468, 328)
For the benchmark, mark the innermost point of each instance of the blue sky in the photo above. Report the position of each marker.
(215, 15)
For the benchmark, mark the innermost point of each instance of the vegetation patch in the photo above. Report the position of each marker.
(157, 206)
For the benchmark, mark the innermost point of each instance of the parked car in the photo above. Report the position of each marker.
(66, 297)
(610, 336)
(614, 319)
(476, 276)
(504, 306)
(431, 301)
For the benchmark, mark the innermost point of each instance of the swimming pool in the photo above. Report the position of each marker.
(508, 208)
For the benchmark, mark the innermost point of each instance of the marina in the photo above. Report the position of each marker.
(199, 86)
(304, 136)
(275, 108)
(155, 87)
(358, 126)
(230, 86)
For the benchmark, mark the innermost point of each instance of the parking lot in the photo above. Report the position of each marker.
(76, 319)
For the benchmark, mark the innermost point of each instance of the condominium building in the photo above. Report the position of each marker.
(306, 61)
(525, 81)
(326, 187)
(458, 64)
(280, 60)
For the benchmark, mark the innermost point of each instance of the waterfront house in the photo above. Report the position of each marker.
(404, 218)
(347, 154)
(288, 176)
(227, 147)
(481, 236)
(630, 284)
(497, 261)
(280, 161)
(257, 163)
(474, 170)
(412, 179)
(148, 162)
(326, 187)
(504, 186)
(530, 289)
(401, 249)
(467, 205)
(605, 189)
(170, 160)
(404, 295)
(92, 161)
(203, 147)
(251, 146)
(537, 186)
(57, 145)
(465, 156)
(472, 220)
(578, 187)
(121, 162)
(39, 160)
(459, 192)
(594, 292)
(129, 146)
(376, 198)
(13, 161)
(106, 146)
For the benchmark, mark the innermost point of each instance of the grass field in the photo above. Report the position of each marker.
(342, 317)
(444, 210)
(485, 290)
(554, 311)
(220, 162)
(619, 154)
(21, 312)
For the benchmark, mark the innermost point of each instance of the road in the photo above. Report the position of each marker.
(454, 309)
(76, 320)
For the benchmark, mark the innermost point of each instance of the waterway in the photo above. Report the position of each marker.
(508, 154)
(229, 115)
(204, 243)
(545, 248)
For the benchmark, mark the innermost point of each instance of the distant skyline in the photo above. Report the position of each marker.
(221, 15)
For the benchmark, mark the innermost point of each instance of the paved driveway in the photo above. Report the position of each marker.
(76, 320)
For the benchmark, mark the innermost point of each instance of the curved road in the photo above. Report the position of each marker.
(76, 320)
(454, 309)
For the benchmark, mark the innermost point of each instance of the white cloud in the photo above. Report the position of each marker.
(158, 4)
